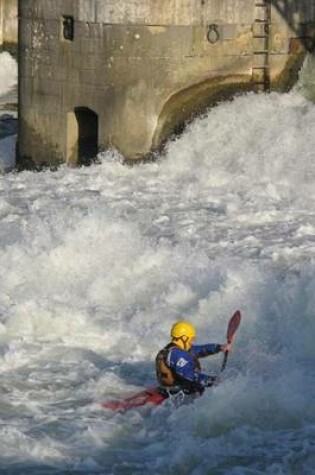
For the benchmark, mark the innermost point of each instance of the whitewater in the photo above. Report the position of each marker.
(97, 263)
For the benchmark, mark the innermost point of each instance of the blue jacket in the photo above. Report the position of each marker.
(186, 367)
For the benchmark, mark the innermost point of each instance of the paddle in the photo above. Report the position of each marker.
(233, 325)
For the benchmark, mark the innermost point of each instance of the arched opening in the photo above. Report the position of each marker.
(82, 136)
(194, 101)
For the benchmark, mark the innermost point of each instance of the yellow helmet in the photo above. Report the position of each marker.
(183, 334)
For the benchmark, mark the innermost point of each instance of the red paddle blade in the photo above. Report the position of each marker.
(233, 325)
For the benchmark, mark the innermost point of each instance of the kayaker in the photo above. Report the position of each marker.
(177, 365)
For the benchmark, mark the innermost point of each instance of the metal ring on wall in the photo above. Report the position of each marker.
(213, 34)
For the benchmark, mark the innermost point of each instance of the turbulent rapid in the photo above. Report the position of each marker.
(97, 263)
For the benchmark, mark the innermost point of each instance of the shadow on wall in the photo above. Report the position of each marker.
(290, 10)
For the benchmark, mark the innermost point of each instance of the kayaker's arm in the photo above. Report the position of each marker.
(209, 349)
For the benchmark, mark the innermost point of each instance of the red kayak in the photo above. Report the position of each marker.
(149, 396)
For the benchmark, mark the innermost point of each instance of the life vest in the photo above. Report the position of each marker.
(165, 375)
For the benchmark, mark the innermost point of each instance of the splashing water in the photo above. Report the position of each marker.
(97, 263)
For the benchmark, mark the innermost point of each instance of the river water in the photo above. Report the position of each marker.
(97, 263)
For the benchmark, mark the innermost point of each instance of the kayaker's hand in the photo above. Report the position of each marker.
(226, 347)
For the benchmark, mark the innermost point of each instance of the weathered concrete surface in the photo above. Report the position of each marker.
(139, 69)
(8, 23)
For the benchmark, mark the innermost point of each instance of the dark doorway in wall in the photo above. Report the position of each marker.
(67, 28)
(87, 140)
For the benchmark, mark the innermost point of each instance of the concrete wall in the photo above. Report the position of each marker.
(8, 23)
(144, 67)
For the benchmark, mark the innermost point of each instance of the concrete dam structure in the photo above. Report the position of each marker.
(128, 74)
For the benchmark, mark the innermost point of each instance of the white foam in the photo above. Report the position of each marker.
(97, 263)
